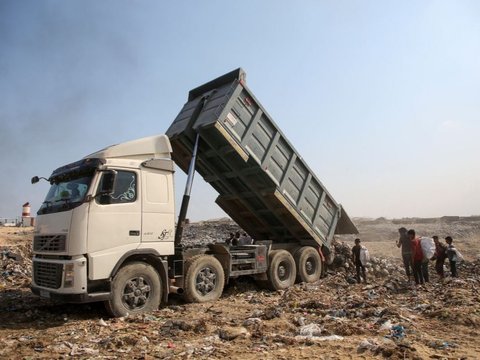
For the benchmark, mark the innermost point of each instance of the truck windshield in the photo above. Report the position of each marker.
(66, 194)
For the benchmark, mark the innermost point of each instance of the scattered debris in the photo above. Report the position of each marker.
(334, 316)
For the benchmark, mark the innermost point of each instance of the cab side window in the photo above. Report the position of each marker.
(125, 190)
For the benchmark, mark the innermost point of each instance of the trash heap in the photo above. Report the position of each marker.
(208, 232)
(378, 267)
(387, 318)
(15, 266)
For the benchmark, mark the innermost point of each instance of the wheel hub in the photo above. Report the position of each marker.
(136, 293)
(283, 271)
(310, 266)
(206, 280)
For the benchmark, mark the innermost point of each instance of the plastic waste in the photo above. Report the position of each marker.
(364, 256)
(428, 246)
(310, 330)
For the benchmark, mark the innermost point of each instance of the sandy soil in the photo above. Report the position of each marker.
(440, 320)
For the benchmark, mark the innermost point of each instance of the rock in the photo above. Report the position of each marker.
(299, 320)
(256, 313)
(368, 344)
(338, 313)
(144, 340)
(252, 321)
(310, 330)
(351, 280)
(271, 313)
(229, 333)
(177, 324)
(387, 325)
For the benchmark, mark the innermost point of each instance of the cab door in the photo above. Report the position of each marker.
(114, 222)
(158, 222)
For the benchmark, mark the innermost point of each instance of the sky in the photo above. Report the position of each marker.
(381, 98)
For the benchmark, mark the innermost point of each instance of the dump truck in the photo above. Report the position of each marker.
(107, 229)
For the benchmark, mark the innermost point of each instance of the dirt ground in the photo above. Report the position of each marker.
(330, 319)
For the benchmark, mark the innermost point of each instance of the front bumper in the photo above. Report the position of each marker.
(50, 274)
(70, 298)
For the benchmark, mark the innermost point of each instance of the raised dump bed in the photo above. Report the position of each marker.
(262, 181)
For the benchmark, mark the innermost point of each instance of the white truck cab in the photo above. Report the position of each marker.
(112, 206)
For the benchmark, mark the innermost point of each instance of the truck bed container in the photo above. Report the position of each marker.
(263, 183)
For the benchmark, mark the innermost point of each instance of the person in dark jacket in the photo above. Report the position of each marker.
(358, 263)
(440, 256)
(417, 257)
(405, 243)
(452, 256)
(236, 239)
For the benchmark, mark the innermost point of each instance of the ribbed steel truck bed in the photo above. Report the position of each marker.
(262, 181)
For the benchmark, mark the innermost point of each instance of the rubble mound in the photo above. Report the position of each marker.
(15, 266)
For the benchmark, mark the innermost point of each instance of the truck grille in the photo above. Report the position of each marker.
(48, 274)
(51, 243)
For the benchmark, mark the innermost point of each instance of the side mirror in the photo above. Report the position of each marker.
(107, 186)
(36, 179)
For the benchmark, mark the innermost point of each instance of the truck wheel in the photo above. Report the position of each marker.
(204, 279)
(136, 288)
(309, 264)
(281, 270)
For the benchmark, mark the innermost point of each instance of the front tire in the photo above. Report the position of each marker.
(204, 279)
(136, 288)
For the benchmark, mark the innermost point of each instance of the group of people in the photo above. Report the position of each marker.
(238, 239)
(416, 254)
(415, 259)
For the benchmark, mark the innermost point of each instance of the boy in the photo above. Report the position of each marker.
(358, 263)
(452, 256)
(440, 256)
(404, 243)
(417, 257)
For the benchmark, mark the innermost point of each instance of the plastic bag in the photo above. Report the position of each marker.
(364, 256)
(458, 255)
(428, 247)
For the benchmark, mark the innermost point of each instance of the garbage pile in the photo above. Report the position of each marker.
(387, 318)
(208, 232)
(15, 266)
(377, 266)
(470, 267)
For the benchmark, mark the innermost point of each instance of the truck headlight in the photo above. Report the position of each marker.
(69, 275)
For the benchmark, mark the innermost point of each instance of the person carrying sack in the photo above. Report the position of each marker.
(453, 256)
(360, 253)
(417, 257)
(440, 256)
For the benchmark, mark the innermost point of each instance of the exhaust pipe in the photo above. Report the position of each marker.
(175, 290)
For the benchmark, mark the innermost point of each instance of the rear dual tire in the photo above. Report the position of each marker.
(281, 271)
(309, 264)
(204, 279)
